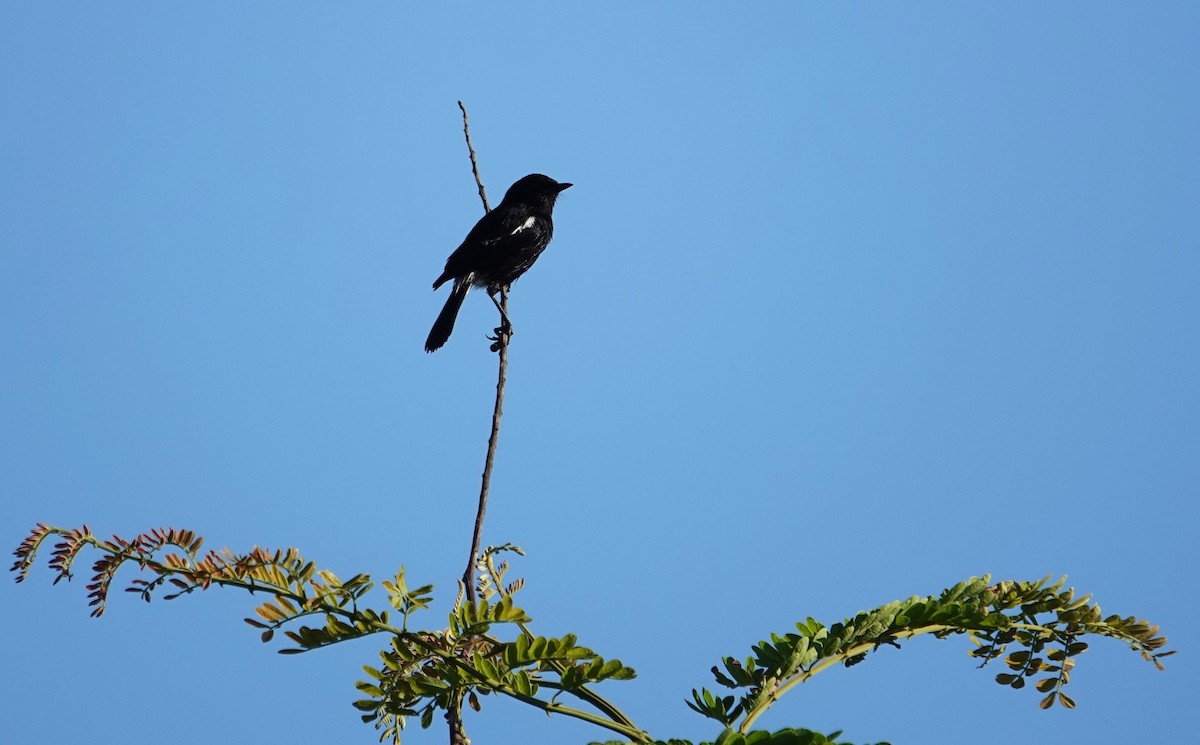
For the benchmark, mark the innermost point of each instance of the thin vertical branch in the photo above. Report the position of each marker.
(458, 734)
(474, 164)
(500, 346)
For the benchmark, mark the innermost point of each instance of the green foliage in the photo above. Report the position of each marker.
(759, 737)
(1035, 616)
(487, 648)
(423, 673)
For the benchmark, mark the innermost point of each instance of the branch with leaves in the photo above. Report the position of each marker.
(488, 648)
(1043, 620)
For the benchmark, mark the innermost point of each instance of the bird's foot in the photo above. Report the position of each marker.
(503, 333)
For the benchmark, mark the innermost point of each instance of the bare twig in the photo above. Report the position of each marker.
(454, 711)
(500, 346)
(474, 164)
(458, 734)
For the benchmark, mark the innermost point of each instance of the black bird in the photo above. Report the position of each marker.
(501, 247)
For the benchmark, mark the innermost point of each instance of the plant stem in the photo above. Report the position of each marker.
(489, 461)
(628, 730)
(786, 685)
(502, 342)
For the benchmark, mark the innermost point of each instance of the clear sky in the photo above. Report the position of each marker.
(850, 302)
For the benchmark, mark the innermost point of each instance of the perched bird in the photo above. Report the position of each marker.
(501, 247)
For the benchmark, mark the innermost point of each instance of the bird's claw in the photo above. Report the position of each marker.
(503, 333)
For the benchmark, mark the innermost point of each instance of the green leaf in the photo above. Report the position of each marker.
(287, 606)
(730, 737)
(625, 673)
(522, 684)
(518, 650)
(1018, 658)
(486, 668)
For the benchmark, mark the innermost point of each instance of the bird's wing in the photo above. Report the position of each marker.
(464, 258)
(505, 231)
(508, 224)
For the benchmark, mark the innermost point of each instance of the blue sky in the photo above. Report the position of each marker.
(849, 302)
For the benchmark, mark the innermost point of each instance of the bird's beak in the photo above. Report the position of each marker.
(562, 187)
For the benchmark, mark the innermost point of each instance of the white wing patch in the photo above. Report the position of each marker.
(529, 221)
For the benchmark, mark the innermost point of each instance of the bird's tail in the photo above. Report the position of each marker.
(445, 320)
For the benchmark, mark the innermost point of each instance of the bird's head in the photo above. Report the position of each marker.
(533, 189)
